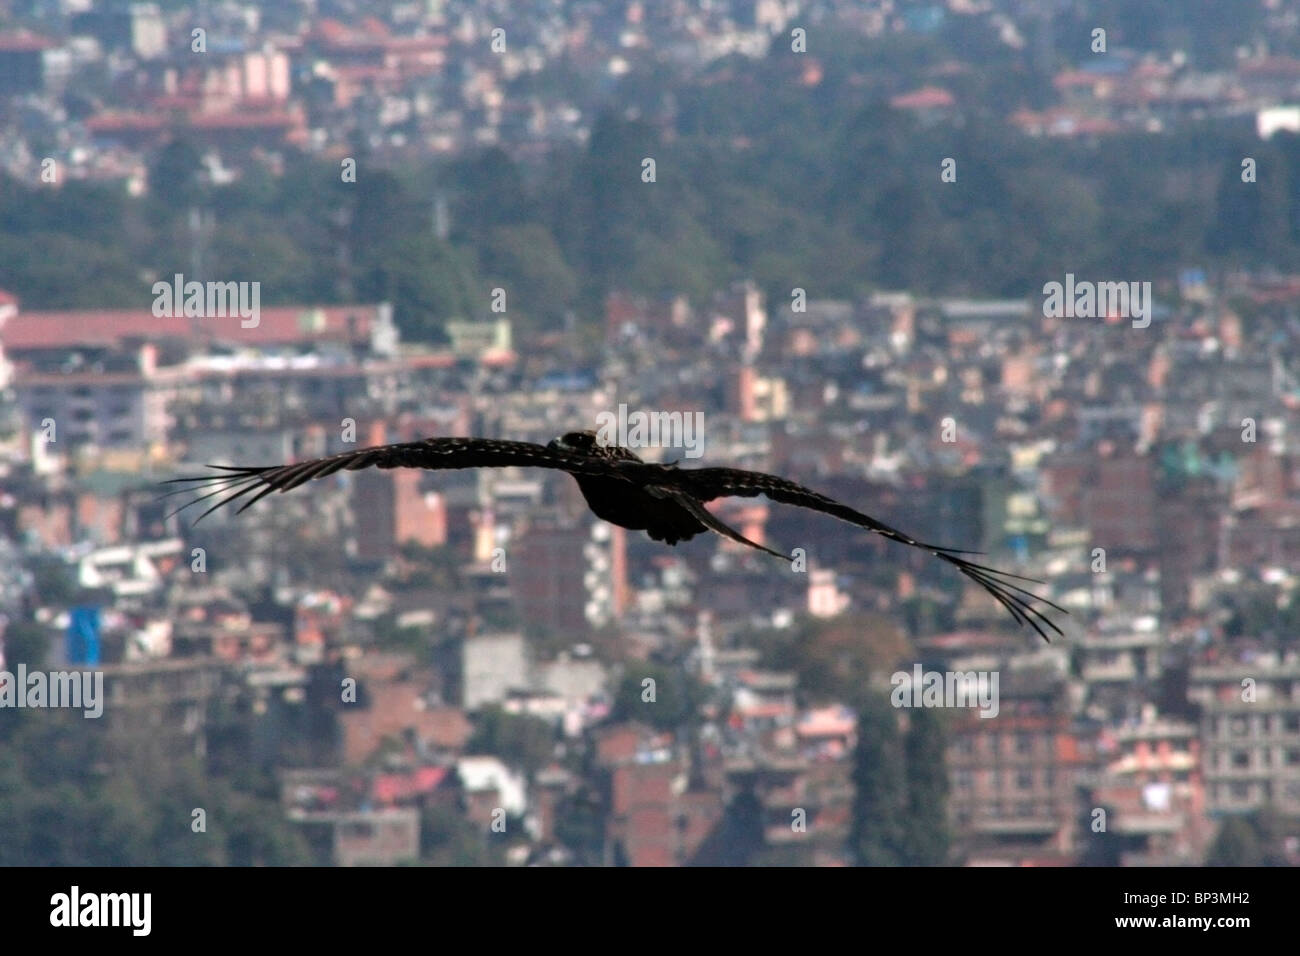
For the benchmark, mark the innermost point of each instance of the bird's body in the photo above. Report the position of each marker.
(624, 503)
(665, 501)
(629, 507)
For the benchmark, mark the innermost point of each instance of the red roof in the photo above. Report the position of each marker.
(245, 120)
(330, 32)
(277, 325)
(929, 97)
(116, 122)
(391, 787)
(1068, 78)
(24, 41)
(331, 28)
(1281, 66)
(760, 710)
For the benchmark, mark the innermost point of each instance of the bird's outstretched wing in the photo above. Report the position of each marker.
(706, 484)
(430, 453)
(688, 488)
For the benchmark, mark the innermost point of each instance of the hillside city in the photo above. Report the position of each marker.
(467, 667)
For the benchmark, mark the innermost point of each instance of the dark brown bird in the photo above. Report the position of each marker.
(665, 501)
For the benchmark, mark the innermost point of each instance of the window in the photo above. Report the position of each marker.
(1024, 780)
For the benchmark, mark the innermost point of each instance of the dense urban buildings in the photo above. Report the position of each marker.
(467, 667)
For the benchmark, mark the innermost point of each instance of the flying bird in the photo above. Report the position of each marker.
(665, 501)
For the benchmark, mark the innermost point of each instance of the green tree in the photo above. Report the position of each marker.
(1236, 844)
(830, 656)
(27, 642)
(447, 838)
(69, 799)
(519, 740)
(528, 264)
(580, 827)
(175, 176)
(927, 840)
(429, 281)
(1254, 839)
(55, 582)
(671, 702)
(738, 840)
(490, 194)
(878, 831)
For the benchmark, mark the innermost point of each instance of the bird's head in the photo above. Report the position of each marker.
(574, 442)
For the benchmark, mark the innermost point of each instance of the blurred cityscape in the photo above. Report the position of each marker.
(467, 667)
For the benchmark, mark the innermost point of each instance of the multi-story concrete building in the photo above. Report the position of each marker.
(119, 399)
(1153, 792)
(1250, 732)
(1013, 778)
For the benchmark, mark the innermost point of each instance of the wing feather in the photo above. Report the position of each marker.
(429, 453)
(706, 484)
